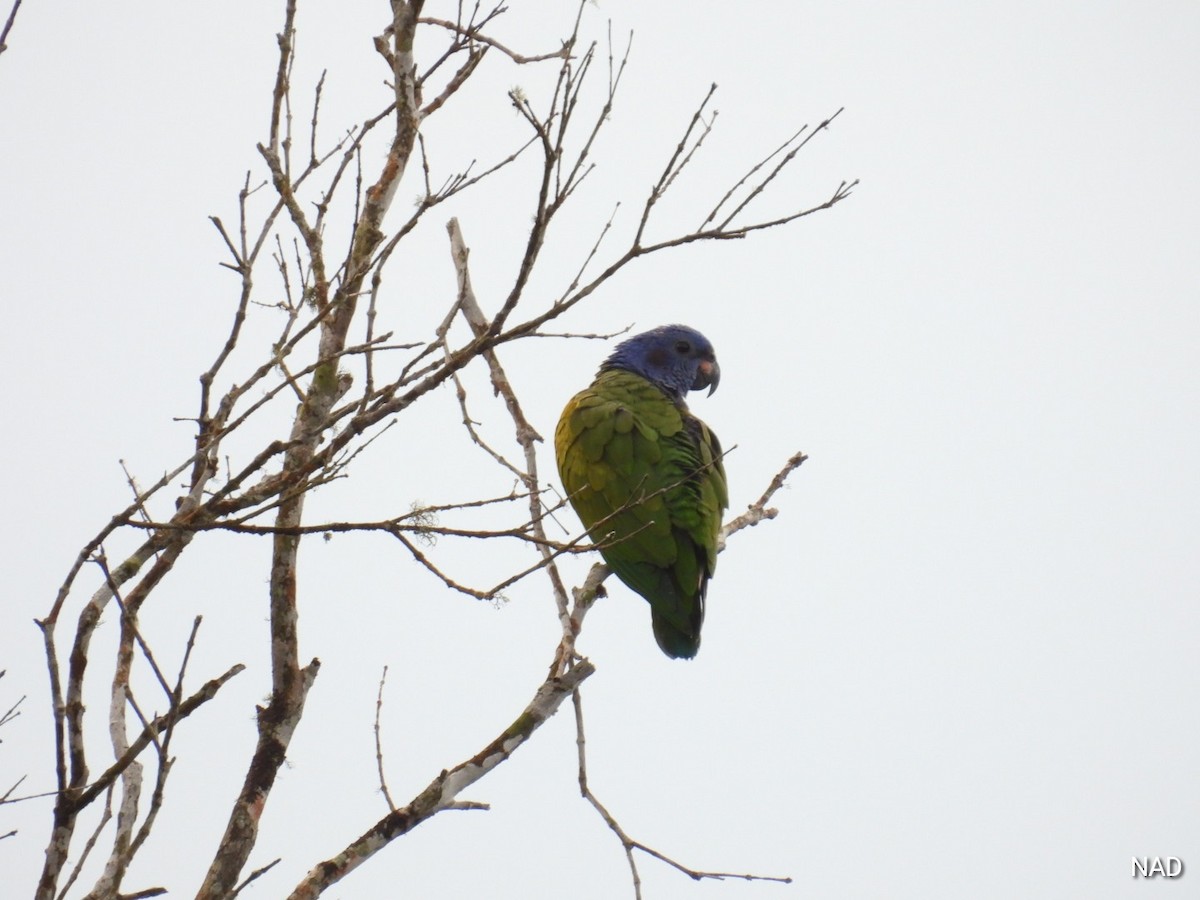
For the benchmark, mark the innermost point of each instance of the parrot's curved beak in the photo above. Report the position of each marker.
(708, 375)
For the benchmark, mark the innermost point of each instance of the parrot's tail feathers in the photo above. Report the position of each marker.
(674, 641)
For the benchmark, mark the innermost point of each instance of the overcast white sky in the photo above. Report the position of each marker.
(964, 659)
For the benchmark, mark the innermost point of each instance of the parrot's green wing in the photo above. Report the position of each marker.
(646, 478)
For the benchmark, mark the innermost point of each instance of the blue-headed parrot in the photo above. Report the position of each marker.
(646, 478)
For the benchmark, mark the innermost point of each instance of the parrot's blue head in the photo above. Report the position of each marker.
(676, 358)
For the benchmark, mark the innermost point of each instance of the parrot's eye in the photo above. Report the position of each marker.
(683, 347)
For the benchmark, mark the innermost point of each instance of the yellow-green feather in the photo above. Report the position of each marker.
(645, 477)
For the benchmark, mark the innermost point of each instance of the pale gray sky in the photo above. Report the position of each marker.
(962, 662)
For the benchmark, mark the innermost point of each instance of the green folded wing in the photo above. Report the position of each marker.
(645, 477)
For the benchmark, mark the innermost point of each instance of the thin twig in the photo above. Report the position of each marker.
(629, 844)
(256, 874)
(476, 35)
(383, 785)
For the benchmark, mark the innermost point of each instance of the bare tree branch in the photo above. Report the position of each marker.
(476, 35)
(302, 385)
(442, 791)
(758, 510)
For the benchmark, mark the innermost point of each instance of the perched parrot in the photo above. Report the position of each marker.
(646, 478)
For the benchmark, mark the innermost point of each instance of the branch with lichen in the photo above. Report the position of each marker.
(277, 722)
